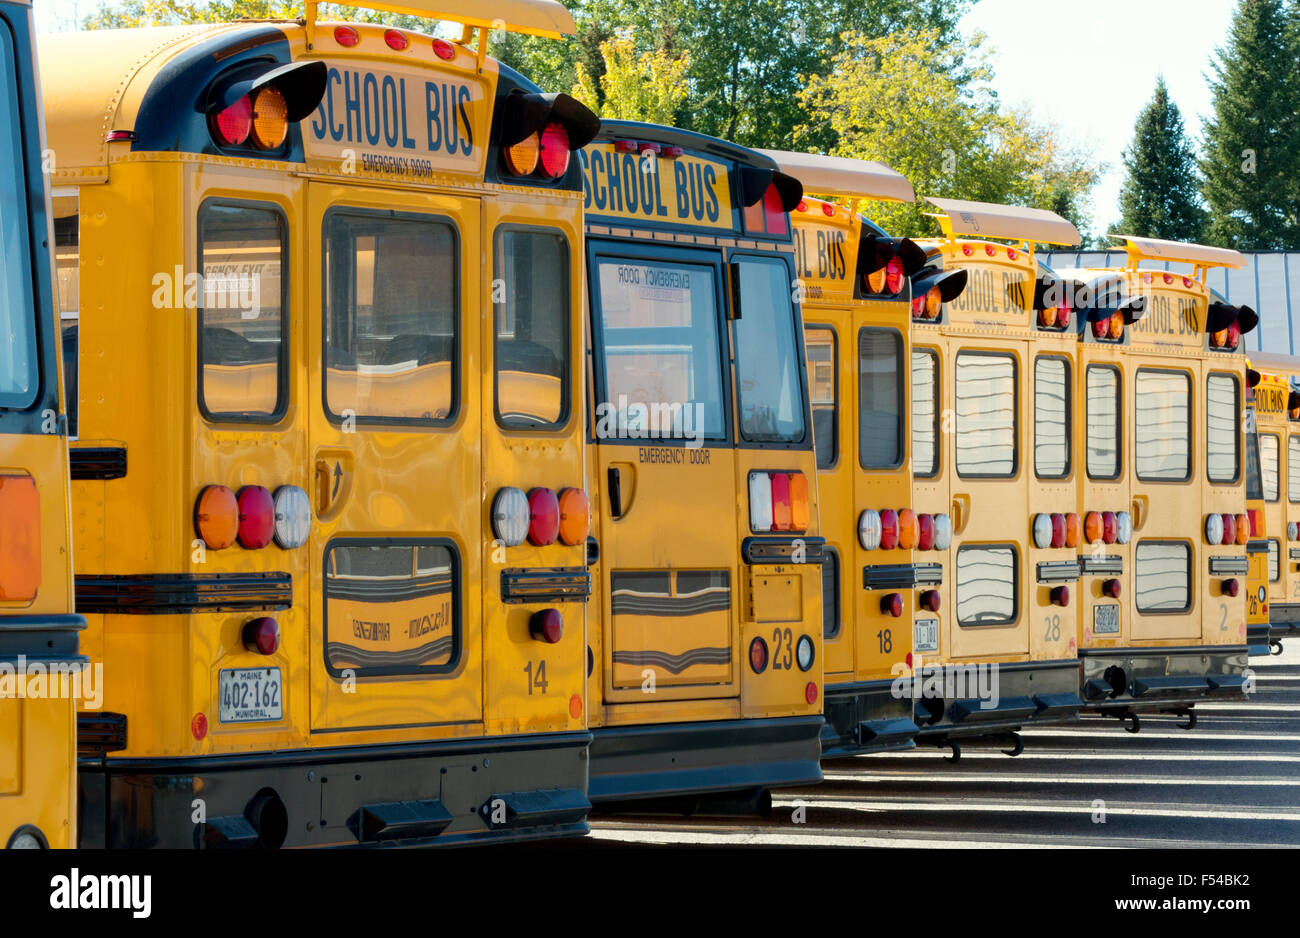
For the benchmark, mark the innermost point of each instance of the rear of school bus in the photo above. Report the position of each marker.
(40, 666)
(1278, 374)
(328, 479)
(706, 628)
(880, 586)
(1181, 634)
(1267, 464)
(1002, 356)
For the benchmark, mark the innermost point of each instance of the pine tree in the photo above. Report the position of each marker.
(1159, 198)
(1251, 158)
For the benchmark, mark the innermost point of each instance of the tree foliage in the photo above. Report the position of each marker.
(1159, 198)
(649, 86)
(1251, 153)
(893, 99)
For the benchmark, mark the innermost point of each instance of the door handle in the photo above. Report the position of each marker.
(1140, 511)
(960, 513)
(615, 492)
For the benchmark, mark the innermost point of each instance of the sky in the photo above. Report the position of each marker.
(1091, 65)
(1087, 65)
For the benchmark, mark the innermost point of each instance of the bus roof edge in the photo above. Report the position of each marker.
(1014, 222)
(844, 176)
(547, 18)
(1201, 255)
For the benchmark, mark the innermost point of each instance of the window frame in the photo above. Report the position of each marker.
(904, 371)
(1015, 414)
(457, 605)
(457, 316)
(284, 362)
(621, 252)
(567, 375)
(1274, 542)
(1015, 585)
(934, 355)
(831, 559)
(1119, 421)
(1069, 415)
(1191, 426)
(1191, 573)
(1292, 468)
(835, 393)
(1237, 410)
(1277, 438)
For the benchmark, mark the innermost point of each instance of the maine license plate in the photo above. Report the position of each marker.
(1105, 619)
(926, 635)
(250, 695)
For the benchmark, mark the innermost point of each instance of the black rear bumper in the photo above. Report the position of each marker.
(463, 791)
(1028, 693)
(865, 717)
(633, 763)
(1146, 679)
(1283, 622)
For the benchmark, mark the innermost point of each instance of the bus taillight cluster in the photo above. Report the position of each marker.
(1056, 530)
(903, 530)
(1109, 527)
(252, 517)
(261, 118)
(1227, 529)
(778, 501)
(547, 148)
(541, 517)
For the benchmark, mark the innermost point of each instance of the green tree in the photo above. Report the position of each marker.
(649, 86)
(124, 14)
(1159, 198)
(1251, 155)
(894, 99)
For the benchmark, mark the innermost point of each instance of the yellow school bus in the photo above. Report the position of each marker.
(322, 306)
(1162, 379)
(994, 443)
(1276, 410)
(881, 591)
(706, 650)
(41, 669)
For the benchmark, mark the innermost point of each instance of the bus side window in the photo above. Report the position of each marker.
(1163, 426)
(823, 371)
(532, 329)
(19, 361)
(67, 258)
(1103, 422)
(1293, 469)
(392, 322)
(880, 398)
(240, 300)
(1051, 417)
(987, 407)
(1269, 454)
(769, 387)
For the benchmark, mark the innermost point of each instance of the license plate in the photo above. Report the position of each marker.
(250, 695)
(926, 635)
(1105, 619)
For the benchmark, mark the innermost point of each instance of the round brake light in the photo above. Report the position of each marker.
(888, 529)
(543, 517)
(546, 625)
(216, 517)
(261, 635)
(758, 656)
(575, 516)
(522, 157)
(1229, 529)
(555, 150)
(292, 516)
(1101, 327)
(396, 39)
(346, 36)
(891, 604)
(894, 275)
(256, 517)
(1109, 527)
(444, 49)
(231, 126)
(1058, 530)
(925, 532)
(270, 119)
(510, 516)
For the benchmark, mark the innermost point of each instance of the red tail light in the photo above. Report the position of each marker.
(232, 125)
(925, 537)
(1060, 596)
(444, 49)
(758, 656)
(546, 625)
(346, 36)
(1230, 587)
(1229, 529)
(261, 635)
(1111, 588)
(888, 529)
(810, 693)
(256, 517)
(931, 600)
(1109, 527)
(395, 39)
(1058, 530)
(894, 275)
(1063, 313)
(544, 517)
(891, 604)
(780, 501)
(1254, 515)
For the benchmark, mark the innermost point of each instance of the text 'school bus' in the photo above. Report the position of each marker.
(879, 588)
(993, 446)
(1277, 422)
(322, 300)
(706, 615)
(41, 669)
(1162, 384)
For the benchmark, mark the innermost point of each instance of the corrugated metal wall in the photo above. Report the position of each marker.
(1269, 284)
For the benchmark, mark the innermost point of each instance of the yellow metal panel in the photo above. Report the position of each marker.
(989, 220)
(535, 17)
(838, 175)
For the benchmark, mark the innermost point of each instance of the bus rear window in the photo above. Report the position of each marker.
(19, 374)
(1163, 574)
(1163, 425)
(925, 413)
(532, 329)
(1269, 454)
(987, 578)
(1222, 432)
(660, 364)
(820, 347)
(1254, 485)
(1102, 422)
(880, 398)
(1051, 417)
(391, 318)
(986, 414)
(240, 301)
(1292, 469)
(768, 371)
